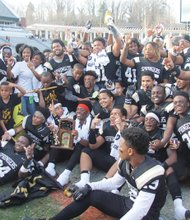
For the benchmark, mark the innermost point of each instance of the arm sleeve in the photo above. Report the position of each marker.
(144, 200)
(108, 184)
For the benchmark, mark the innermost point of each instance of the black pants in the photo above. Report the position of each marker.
(182, 166)
(100, 158)
(111, 204)
(73, 157)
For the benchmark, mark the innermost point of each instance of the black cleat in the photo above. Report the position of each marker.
(187, 215)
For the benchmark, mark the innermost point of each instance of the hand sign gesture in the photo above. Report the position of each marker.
(96, 122)
(30, 65)
(29, 151)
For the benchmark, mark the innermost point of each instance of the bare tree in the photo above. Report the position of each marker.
(144, 13)
(91, 7)
(30, 14)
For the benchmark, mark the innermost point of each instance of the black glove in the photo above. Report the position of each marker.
(81, 193)
(76, 52)
(175, 72)
(130, 91)
(88, 25)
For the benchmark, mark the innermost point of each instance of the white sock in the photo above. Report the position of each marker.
(63, 178)
(84, 179)
(115, 191)
(179, 209)
(51, 169)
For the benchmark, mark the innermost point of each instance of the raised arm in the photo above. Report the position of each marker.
(22, 90)
(123, 58)
(95, 140)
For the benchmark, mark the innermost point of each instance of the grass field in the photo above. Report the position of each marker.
(55, 201)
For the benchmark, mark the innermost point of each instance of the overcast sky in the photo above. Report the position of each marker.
(175, 4)
(22, 2)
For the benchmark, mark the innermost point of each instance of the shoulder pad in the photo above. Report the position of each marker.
(48, 66)
(169, 107)
(149, 170)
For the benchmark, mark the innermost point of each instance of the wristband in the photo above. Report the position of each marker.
(165, 165)
(11, 132)
(23, 169)
(92, 136)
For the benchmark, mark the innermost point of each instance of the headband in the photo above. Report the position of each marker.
(85, 107)
(57, 105)
(153, 115)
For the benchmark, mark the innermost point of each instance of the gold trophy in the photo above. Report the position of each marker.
(63, 139)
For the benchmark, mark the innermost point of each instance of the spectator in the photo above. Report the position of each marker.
(25, 76)
(5, 54)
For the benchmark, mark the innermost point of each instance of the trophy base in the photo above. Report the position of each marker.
(62, 147)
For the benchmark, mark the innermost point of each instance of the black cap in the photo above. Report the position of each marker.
(45, 112)
(91, 73)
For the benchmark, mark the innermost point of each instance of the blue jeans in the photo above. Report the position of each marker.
(28, 105)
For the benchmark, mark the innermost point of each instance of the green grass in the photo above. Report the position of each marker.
(40, 207)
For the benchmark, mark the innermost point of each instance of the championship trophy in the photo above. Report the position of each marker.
(63, 139)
